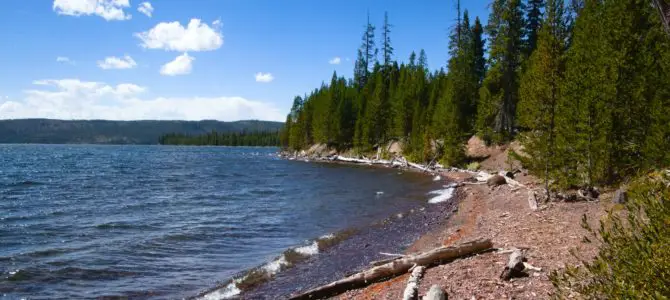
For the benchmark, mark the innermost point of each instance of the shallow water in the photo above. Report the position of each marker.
(82, 221)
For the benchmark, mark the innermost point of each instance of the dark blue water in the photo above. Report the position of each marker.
(81, 221)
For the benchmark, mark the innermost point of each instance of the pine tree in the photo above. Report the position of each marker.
(533, 20)
(479, 50)
(539, 92)
(499, 93)
(386, 36)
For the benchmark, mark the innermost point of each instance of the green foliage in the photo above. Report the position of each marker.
(634, 257)
(583, 85)
(499, 92)
(473, 166)
(539, 92)
(262, 138)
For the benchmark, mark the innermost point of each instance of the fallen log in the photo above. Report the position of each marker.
(517, 266)
(418, 166)
(412, 289)
(397, 267)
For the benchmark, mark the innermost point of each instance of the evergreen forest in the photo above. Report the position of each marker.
(256, 138)
(584, 85)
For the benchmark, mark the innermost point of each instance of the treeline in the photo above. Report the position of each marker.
(584, 85)
(257, 138)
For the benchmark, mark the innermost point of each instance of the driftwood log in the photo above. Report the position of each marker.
(517, 266)
(412, 289)
(397, 267)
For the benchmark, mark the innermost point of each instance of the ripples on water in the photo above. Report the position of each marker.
(169, 222)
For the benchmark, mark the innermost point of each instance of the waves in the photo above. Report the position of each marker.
(266, 272)
(442, 195)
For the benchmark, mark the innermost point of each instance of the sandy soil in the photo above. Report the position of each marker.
(502, 214)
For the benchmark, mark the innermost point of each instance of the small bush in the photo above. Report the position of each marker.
(473, 166)
(634, 257)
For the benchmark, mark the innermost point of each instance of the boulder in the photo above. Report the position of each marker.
(496, 180)
(620, 196)
(395, 147)
(435, 293)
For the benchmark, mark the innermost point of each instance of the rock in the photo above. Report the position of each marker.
(435, 293)
(395, 147)
(477, 148)
(620, 196)
(496, 180)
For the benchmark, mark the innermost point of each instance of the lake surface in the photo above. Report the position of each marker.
(83, 221)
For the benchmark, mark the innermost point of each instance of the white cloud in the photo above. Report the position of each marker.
(75, 99)
(335, 61)
(113, 62)
(146, 9)
(65, 60)
(196, 36)
(181, 65)
(107, 9)
(264, 77)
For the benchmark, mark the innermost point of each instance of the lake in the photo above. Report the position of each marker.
(84, 221)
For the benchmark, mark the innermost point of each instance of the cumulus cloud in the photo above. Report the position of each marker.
(113, 62)
(110, 10)
(196, 36)
(65, 60)
(264, 77)
(181, 65)
(76, 99)
(146, 9)
(335, 61)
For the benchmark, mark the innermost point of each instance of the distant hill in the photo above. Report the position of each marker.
(48, 131)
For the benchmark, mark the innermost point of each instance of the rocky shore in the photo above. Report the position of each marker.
(503, 212)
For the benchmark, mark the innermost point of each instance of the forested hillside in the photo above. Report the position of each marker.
(584, 85)
(244, 138)
(116, 132)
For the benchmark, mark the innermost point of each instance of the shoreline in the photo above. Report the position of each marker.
(335, 255)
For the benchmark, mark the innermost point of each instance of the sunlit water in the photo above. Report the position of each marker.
(81, 221)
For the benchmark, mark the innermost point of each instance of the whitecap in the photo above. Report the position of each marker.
(308, 250)
(229, 291)
(380, 193)
(437, 178)
(442, 195)
(276, 265)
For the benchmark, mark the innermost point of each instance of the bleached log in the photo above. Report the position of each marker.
(483, 176)
(397, 267)
(418, 166)
(392, 254)
(412, 288)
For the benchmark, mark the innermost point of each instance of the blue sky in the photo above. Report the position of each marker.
(198, 59)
